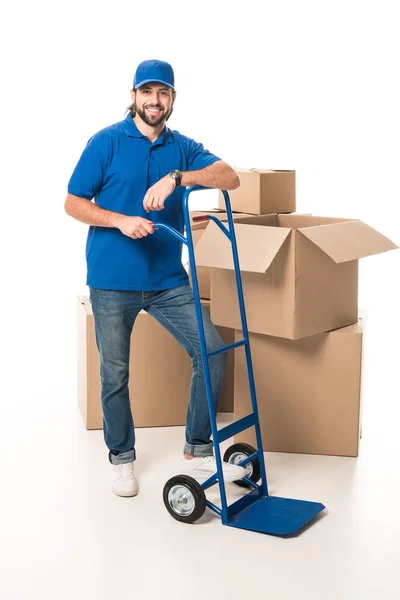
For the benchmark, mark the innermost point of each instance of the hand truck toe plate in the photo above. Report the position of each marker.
(276, 516)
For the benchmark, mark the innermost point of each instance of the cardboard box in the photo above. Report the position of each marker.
(263, 191)
(299, 272)
(158, 397)
(203, 273)
(308, 392)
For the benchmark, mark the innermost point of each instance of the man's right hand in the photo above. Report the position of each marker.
(134, 227)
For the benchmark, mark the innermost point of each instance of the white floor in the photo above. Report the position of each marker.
(64, 535)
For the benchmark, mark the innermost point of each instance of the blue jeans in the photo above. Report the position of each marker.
(114, 316)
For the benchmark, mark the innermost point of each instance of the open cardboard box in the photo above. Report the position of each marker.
(299, 272)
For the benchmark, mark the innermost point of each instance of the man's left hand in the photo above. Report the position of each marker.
(158, 193)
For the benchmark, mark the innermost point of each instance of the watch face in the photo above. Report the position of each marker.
(176, 175)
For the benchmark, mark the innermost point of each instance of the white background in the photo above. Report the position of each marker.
(310, 86)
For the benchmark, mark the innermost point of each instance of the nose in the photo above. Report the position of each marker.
(154, 98)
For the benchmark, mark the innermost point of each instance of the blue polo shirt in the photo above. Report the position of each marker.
(116, 168)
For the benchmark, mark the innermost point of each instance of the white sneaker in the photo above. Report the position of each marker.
(124, 482)
(202, 467)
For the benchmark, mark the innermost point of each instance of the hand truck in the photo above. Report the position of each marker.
(184, 497)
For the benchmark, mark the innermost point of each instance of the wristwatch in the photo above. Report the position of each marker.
(177, 177)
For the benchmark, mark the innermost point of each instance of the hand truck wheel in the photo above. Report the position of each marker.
(184, 498)
(238, 452)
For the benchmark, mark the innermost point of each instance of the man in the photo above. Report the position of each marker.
(136, 171)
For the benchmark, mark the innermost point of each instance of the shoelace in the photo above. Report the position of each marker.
(125, 471)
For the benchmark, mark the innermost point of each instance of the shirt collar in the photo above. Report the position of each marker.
(132, 131)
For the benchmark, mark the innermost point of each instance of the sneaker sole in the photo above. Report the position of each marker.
(127, 494)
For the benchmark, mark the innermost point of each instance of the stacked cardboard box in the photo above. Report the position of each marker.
(263, 191)
(158, 397)
(300, 283)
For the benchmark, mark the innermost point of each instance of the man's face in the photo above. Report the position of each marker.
(153, 103)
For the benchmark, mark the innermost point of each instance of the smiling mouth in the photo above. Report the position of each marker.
(154, 111)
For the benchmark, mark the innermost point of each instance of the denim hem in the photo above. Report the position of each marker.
(199, 449)
(122, 458)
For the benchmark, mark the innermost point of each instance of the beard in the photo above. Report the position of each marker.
(153, 120)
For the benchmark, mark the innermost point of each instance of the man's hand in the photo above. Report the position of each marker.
(134, 227)
(157, 194)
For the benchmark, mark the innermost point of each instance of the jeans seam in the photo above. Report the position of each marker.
(154, 308)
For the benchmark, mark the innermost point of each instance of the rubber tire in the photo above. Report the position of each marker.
(248, 451)
(198, 493)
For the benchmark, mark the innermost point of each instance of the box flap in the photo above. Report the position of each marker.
(300, 220)
(269, 219)
(348, 241)
(257, 247)
(220, 214)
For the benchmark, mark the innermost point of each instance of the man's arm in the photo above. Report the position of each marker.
(219, 175)
(90, 213)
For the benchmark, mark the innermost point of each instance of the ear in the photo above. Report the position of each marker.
(173, 97)
(133, 94)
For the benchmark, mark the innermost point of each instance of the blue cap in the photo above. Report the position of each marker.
(154, 71)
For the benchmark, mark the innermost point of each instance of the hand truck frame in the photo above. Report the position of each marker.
(183, 496)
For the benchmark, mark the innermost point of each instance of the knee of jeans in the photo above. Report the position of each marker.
(215, 342)
(114, 374)
(220, 360)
